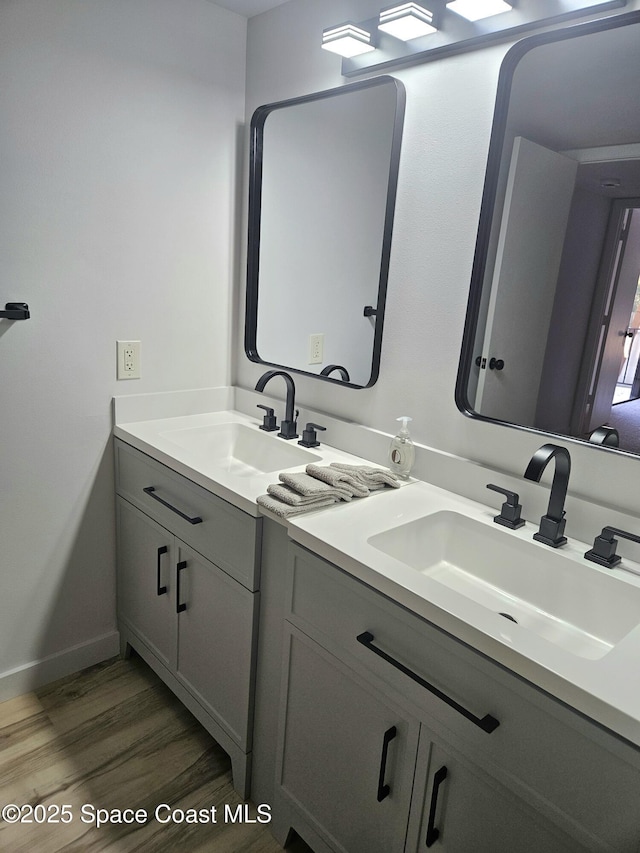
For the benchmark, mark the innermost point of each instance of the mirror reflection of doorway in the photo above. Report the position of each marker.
(628, 385)
(618, 286)
(615, 393)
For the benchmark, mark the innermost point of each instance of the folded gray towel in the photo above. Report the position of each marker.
(373, 478)
(284, 510)
(310, 486)
(338, 479)
(291, 496)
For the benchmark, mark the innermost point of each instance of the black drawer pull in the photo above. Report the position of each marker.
(180, 607)
(161, 590)
(433, 833)
(487, 723)
(383, 789)
(150, 490)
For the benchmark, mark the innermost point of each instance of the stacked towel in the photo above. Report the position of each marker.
(299, 492)
(314, 487)
(320, 486)
(372, 478)
(284, 510)
(339, 479)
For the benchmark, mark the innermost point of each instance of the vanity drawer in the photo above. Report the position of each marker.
(337, 609)
(578, 772)
(225, 535)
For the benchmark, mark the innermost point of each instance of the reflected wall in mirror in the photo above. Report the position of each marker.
(322, 190)
(552, 336)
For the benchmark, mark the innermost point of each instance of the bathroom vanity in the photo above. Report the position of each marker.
(361, 690)
(189, 552)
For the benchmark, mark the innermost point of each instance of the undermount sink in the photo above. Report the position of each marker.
(531, 587)
(239, 449)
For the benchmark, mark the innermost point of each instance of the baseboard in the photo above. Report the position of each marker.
(37, 673)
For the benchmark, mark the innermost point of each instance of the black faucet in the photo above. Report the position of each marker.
(551, 530)
(289, 424)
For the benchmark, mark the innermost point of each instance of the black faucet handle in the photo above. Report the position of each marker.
(604, 547)
(269, 423)
(511, 508)
(309, 437)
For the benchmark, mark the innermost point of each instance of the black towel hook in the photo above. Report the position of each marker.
(15, 311)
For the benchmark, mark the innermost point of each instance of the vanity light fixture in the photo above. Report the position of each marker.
(347, 40)
(472, 24)
(407, 21)
(476, 10)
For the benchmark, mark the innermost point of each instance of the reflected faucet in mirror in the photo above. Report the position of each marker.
(607, 436)
(555, 291)
(329, 369)
(552, 524)
(289, 425)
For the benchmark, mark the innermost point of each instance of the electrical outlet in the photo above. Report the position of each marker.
(128, 360)
(316, 347)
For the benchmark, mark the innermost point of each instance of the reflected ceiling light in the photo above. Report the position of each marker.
(406, 21)
(475, 10)
(347, 40)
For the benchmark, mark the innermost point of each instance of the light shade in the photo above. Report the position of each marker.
(347, 40)
(474, 10)
(406, 21)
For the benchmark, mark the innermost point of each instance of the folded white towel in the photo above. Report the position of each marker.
(284, 510)
(338, 479)
(311, 486)
(290, 496)
(373, 478)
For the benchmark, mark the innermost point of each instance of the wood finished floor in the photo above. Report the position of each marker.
(115, 737)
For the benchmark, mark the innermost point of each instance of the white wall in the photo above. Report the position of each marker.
(446, 138)
(119, 127)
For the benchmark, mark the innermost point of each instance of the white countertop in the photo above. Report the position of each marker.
(604, 689)
(154, 437)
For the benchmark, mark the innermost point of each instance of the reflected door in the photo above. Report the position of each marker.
(622, 290)
(536, 210)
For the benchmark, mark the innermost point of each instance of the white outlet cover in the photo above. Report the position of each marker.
(128, 360)
(316, 348)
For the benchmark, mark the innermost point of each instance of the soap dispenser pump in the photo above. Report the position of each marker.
(401, 451)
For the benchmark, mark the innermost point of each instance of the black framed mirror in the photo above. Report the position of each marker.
(322, 188)
(552, 333)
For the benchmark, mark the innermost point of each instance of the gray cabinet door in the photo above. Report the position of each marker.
(146, 581)
(459, 809)
(215, 641)
(346, 754)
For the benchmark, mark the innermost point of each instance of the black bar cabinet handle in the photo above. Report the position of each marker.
(150, 490)
(433, 833)
(160, 588)
(383, 789)
(487, 723)
(180, 607)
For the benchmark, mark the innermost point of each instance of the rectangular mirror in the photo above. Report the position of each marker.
(324, 171)
(552, 336)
